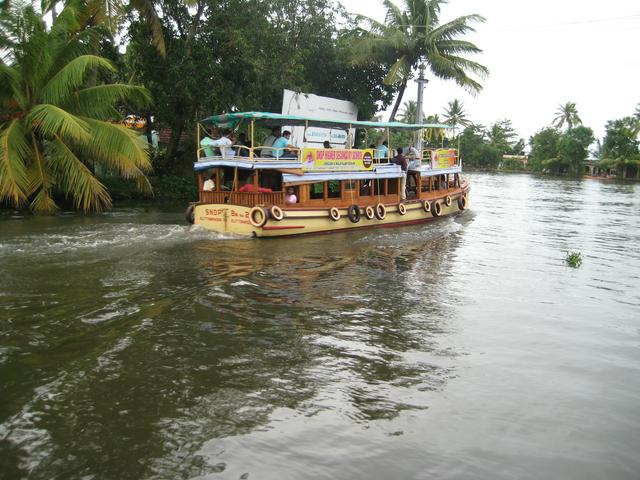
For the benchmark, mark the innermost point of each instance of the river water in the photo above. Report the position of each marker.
(133, 346)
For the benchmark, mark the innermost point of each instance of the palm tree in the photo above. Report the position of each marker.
(568, 114)
(112, 14)
(414, 35)
(410, 112)
(53, 121)
(455, 115)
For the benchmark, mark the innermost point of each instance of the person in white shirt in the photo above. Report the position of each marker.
(414, 158)
(268, 142)
(210, 184)
(224, 143)
(291, 196)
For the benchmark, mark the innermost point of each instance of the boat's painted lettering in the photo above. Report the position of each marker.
(214, 211)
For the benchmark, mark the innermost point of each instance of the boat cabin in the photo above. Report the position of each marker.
(316, 175)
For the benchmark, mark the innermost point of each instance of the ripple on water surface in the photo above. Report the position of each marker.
(133, 346)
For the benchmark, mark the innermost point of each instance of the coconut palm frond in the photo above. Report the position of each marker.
(100, 101)
(49, 120)
(119, 148)
(148, 12)
(14, 153)
(77, 180)
(72, 76)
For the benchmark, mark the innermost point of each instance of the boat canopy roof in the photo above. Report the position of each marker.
(231, 120)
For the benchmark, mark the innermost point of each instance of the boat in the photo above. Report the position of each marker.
(334, 189)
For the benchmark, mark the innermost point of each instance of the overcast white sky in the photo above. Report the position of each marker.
(541, 54)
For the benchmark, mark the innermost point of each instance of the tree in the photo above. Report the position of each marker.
(544, 148)
(621, 148)
(573, 148)
(55, 112)
(568, 114)
(414, 35)
(410, 112)
(455, 115)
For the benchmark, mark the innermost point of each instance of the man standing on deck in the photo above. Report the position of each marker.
(382, 151)
(400, 160)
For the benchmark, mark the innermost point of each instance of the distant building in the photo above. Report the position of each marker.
(524, 159)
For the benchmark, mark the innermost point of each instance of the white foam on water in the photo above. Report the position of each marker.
(99, 236)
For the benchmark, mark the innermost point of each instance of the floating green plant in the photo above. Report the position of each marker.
(573, 259)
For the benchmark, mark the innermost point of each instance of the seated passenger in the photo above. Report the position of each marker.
(414, 158)
(210, 184)
(279, 145)
(268, 142)
(224, 143)
(243, 151)
(382, 151)
(291, 198)
(326, 144)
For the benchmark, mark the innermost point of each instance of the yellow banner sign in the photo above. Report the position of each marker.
(336, 160)
(443, 158)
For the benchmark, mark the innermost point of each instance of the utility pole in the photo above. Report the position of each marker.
(421, 81)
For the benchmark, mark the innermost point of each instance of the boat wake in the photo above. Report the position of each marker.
(104, 236)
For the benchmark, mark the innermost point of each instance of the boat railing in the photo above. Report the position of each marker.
(214, 197)
(246, 199)
(247, 154)
(251, 199)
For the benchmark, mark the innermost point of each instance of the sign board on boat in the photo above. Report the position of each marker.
(443, 158)
(336, 160)
(324, 108)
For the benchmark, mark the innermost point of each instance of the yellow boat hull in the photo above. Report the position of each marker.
(235, 219)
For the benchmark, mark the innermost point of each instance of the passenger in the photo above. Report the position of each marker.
(414, 158)
(327, 144)
(243, 151)
(210, 184)
(268, 142)
(291, 198)
(400, 160)
(382, 151)
(224, 143)
(248, 186)
(280, 144)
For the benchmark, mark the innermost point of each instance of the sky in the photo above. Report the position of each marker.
(541, 54)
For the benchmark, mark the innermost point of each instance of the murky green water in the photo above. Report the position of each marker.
(135, 347)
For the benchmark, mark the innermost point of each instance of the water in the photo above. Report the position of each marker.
(133, 346)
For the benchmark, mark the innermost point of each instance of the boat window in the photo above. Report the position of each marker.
(350, 185)
(425, 184)
(393, 186)
(380, 186)
(365, 188)
(334, 189)
(316, 191)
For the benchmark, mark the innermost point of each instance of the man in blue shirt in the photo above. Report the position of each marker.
(382, 151)
(280, 144)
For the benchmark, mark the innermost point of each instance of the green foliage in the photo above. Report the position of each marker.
(556, 152)
(567, 114)
(240, 55)
(573, 259)
(413, 35)
(544, 148)
(483, 148)
(455, 115)
(56, 104)
(573, 148)
(169, 187)
(621, 148)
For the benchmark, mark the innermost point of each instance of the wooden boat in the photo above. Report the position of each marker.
(336, 190)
